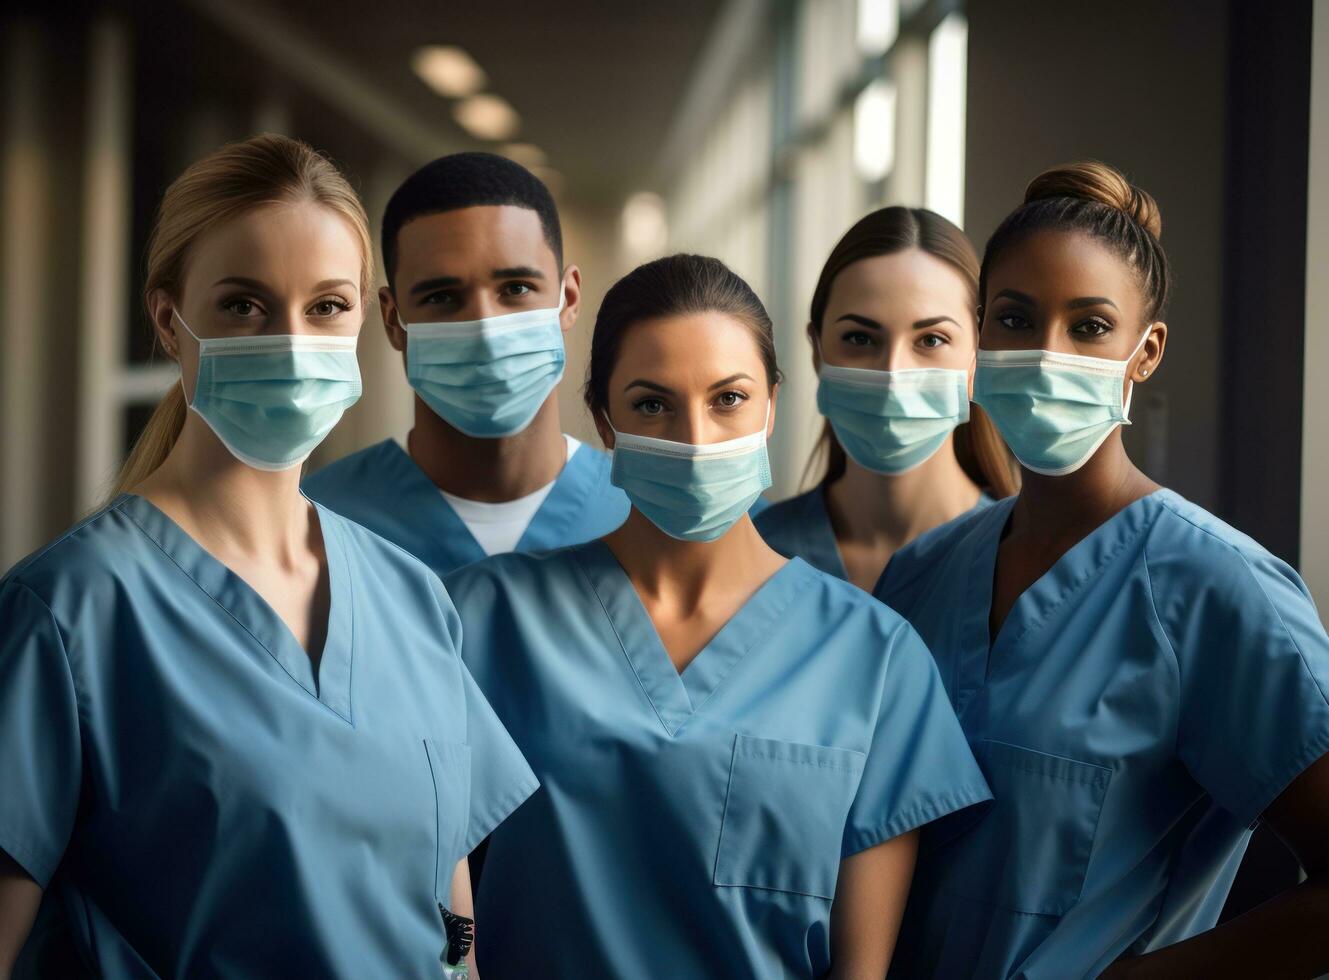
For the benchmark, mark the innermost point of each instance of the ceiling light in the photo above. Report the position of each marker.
(527, 154)
(645, 225)
(487, 117)
(448, 70)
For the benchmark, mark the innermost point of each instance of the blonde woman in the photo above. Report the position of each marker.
(236, 737)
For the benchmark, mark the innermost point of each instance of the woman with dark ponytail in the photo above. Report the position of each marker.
(1140, 682)
(893, 334)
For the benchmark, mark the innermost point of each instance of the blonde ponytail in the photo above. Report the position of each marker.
(155, 442)
(239, 178)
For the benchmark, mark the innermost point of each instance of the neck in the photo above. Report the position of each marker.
(489, 470)
(227, 505)
(1088, 497)
(682, 573)
(880, 508)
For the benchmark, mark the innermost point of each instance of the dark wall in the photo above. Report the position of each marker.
(1141, 85)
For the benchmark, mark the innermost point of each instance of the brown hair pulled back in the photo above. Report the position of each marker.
(978, 447)
(675, 285)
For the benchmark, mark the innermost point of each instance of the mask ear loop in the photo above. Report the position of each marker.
(198, 340)
(1126, 408)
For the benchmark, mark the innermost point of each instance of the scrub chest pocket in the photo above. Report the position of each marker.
(784, 815)
(450, 768)
(1030, 851)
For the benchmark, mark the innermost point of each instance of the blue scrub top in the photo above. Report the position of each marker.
(382, 488)
(201, 802)
(693, 825)
(1143, 703)
(800, 527)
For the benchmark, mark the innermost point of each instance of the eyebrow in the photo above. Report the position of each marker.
(438, 282)
(1017, 296)
(1083, 301)
(862, 321)
(653, 386)
(871, 324)
(254, 284)
(643, 383)
(451, 282)
(730, 380)
(517, 272)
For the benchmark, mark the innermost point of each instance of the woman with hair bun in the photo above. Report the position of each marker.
(1140, 682)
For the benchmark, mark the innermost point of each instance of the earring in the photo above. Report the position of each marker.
(1144, 373)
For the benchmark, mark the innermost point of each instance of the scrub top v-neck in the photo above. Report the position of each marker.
(693, 823)
(800, 527)
(383, 489)
(198, 798)
(1141, 705)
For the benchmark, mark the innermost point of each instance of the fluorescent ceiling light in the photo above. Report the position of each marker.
(487, 117)
(448, 70)
(645, 225)
(527, 154)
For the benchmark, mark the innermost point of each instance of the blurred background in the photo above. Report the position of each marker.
(753, 130)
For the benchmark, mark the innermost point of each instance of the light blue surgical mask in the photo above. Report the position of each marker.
(892, 421)
(271, 399)
(489, 377)
(691, 492)
(1054, 410)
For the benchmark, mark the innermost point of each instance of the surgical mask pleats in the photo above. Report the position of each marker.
(1054, 410)
(892, 421)
(272, 399)
(487, 378)
(691, 492)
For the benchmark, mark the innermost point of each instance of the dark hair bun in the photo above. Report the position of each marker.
(1093, 181)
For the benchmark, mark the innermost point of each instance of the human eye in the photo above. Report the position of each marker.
(1013, 320)
(330, 306)
(650, 407)
(932, 341)
(1092, 327)
(241, 306)
(442, 297)
(857, 338)
(731, 399)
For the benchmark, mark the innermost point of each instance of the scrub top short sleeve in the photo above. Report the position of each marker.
(500, 778)
(40, 753)
(1253, 664)
(919, 767)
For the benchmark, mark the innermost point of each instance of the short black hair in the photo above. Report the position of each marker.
(467, 180)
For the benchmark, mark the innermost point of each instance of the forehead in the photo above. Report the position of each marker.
(1053, 266)
(473, 241)
(280, 244)
(690, 341)
(911, 277)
